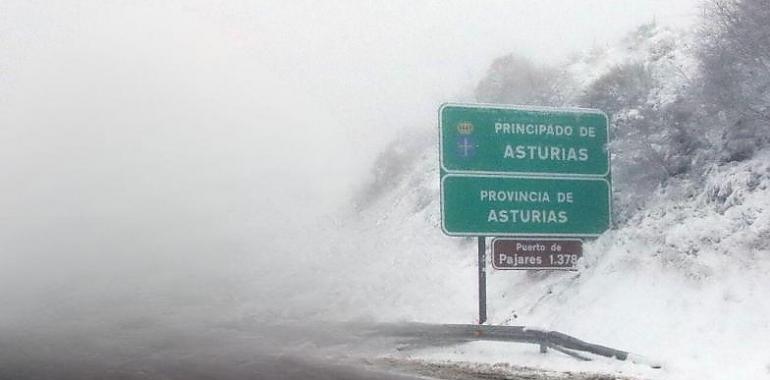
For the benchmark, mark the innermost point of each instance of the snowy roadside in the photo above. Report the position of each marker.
(684, 282)
(499, 360)
(682, 278)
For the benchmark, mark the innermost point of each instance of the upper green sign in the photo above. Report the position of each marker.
(488, 139)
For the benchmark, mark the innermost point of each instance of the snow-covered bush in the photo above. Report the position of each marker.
(393, 164)
(513, 79)
(626, 86)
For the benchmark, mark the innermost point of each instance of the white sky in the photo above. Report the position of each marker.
(385, 64)
(375, 65)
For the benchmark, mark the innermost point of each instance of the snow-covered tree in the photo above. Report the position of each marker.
(735, 62)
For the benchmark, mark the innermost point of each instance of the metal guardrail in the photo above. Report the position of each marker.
(425, 335)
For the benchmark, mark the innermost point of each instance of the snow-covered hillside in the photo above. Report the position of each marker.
(681, 278)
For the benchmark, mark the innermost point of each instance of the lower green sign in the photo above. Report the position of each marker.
(524, 206)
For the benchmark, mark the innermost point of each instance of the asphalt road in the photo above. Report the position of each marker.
(153, 350)
(183, 365)
(149, 350)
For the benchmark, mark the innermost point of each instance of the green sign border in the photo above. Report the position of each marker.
(575, 110)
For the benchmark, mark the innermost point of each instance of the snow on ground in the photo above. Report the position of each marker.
(519, 359)
(684, 283)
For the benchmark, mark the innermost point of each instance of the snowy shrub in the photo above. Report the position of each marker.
(393, 164)
(625, 87)
(728, 185)
(652, 138)
(513, 79)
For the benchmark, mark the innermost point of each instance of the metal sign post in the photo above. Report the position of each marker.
(529, 172)
(482, 279)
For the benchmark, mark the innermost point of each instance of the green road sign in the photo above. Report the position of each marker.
(524, 206)
(482, 139)
(523, 171)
